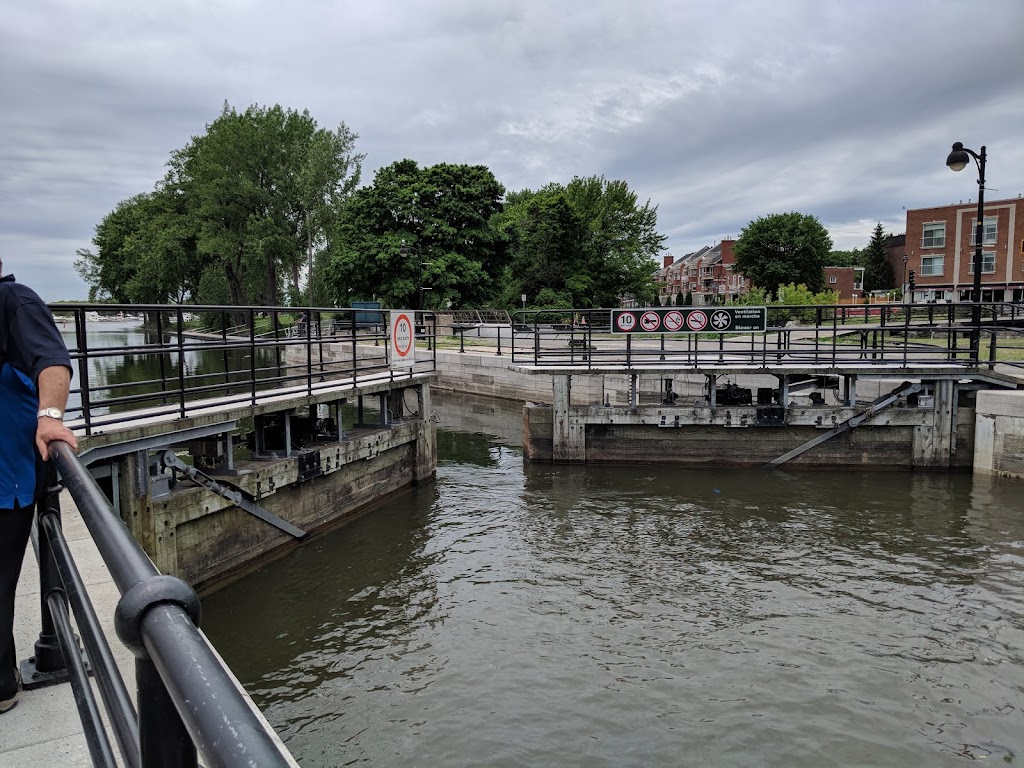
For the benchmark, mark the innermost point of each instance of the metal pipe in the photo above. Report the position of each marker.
(85, 701)
(117, 702)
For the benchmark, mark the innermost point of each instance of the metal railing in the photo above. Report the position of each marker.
(893, 335)
(189, 703)
(184, 356)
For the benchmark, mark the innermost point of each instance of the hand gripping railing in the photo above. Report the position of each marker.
(187, 697)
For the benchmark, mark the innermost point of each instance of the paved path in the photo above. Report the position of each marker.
(44, 730)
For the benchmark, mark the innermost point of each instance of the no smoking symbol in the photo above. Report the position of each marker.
(720, 319)
(696, 320)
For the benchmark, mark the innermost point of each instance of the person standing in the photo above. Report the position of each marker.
(35, 378)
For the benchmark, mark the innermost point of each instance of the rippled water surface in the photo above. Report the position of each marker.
(528, 615)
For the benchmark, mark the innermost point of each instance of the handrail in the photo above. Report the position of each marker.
(250, 350)
(816, 335)
(188, 699)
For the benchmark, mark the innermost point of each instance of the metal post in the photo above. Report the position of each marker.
(978, 232)
(181, 362)
(47, 665)
(164, 741)
(81, 338)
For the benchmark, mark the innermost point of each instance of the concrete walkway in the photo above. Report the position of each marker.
(44, 730)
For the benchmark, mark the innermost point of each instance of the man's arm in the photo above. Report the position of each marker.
(53, 383)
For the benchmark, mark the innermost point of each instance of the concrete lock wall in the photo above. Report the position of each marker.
(205, 539)
(902, 438)
(999, 434)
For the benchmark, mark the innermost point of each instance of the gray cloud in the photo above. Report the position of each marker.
(717, 113)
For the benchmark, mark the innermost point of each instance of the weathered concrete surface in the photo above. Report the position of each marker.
(44, 730)
(728, 436)
(203, 538)
(999, 434)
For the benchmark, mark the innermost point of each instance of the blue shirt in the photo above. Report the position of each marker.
(29, 343)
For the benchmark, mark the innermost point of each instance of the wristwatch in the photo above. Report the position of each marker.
(51, 413)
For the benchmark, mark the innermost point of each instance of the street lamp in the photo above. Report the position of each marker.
(904, 280)
(959, 159)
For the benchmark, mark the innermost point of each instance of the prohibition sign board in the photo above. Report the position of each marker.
(403, 339)
(650, 321)
(673, 320)
(696, 320)
(625, 322)
(686, 320)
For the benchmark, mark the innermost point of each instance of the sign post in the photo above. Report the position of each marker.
(691, 320)
(403, 339)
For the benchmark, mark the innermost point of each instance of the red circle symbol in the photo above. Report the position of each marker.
(626, 321)
(673, 320)
(696, 320)
(650, 321)
(403, 336)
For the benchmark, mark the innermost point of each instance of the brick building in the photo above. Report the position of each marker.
(707, 275)
(848, 282)
(940, 250)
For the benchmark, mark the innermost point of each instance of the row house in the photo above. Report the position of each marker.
(707, 275)
(940, 247)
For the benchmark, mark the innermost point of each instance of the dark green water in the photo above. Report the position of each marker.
(523, 615)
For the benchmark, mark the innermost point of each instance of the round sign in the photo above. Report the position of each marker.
(720, 319)
(650, 321)
(673, 320)
(696, 320)
(403, 336)
(626, 321)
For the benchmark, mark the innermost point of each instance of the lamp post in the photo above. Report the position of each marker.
(904, 280)
(958, 159)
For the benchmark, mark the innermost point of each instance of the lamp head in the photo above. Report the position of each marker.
(958, 158)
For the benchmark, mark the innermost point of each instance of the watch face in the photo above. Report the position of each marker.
(53, 413)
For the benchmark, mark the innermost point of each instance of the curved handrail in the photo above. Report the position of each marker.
(179, 674)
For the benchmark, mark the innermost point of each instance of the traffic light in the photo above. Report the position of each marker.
(912, 274)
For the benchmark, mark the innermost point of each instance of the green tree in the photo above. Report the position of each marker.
(589, 242)
(783, 248)
(878, 273)
(443, 214)
(851, 258)
(262, 186)
(145, 253)
(234, 219)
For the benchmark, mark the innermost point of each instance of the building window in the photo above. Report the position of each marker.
(832, 280)
(988, 263)
(988, 231)
(934, 235)
(931, 265)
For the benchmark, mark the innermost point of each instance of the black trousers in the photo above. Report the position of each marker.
(15, 528)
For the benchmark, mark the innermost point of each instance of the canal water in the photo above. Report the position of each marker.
(512, 614)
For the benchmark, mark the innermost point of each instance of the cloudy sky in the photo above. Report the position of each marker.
(718, 112)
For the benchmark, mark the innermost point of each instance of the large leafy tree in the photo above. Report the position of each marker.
(784, 248)
(418, 228)
(585, 244)
(878, 274)
(145, 253)
(236, 216)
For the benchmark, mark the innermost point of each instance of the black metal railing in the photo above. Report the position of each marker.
(891, 335)
(142, 361)
(188, 701)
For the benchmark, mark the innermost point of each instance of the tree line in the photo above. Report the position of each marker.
(266, 208)
(246, 210)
